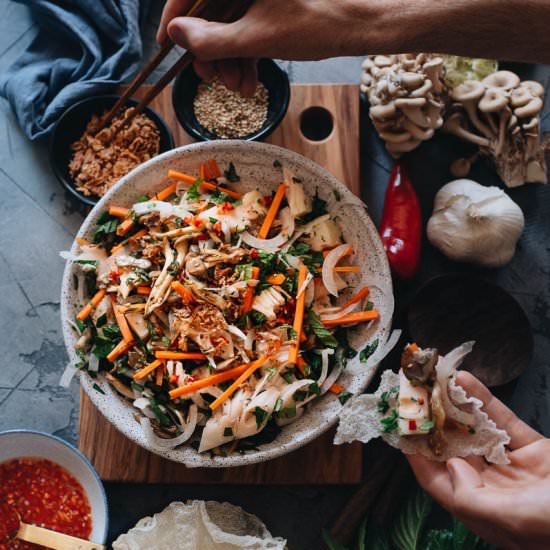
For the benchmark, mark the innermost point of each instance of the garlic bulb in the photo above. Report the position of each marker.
(477, 224)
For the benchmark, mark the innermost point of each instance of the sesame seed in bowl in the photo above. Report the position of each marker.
(208, 110)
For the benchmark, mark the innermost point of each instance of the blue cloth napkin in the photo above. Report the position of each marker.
(83, 47)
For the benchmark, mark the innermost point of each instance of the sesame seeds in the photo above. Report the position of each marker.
(229, 114)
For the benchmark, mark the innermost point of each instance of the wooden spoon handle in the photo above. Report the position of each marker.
(55, 540)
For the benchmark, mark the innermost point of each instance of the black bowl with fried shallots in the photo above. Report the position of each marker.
(88, 175)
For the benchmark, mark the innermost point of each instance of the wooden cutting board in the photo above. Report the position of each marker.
(315, 109)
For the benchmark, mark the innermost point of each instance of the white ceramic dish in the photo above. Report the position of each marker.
(254, 164)
(27, 443)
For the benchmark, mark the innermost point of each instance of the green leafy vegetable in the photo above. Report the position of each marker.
(314, 388)
(344, 396)
(288, 412)
(106, 228)
(406, 532)
(331, 542)
(365, 353)
(389, 423)
(160, 415)
(383, 404)
(261, 416)
(193, 192)
(299, 249)
(322, 332)
(97, 388)
(228, 432)
(231, 174)
(318, 208)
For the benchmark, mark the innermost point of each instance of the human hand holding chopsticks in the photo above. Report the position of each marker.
(506, 505)
(316, 29)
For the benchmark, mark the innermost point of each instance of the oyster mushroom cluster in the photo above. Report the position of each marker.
(500, 114)
(405, 95)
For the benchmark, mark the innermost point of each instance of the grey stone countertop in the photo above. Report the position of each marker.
(37, 221)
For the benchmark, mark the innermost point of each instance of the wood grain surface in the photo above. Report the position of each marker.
(115, 457)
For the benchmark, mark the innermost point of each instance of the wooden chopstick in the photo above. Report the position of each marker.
(151, 65)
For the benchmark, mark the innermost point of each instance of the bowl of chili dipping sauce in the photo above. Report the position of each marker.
(51, 484)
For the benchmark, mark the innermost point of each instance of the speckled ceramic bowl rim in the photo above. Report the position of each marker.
(299, 439)
(83, 458)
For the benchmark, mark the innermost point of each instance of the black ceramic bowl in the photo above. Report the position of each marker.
(269, 74)
(71, 126)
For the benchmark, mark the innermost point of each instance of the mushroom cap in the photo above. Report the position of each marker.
(493, 100)
(469, 90)
(535, 88)
(534, 107)
(411, 80)
(410, 102)
(383, 61)
(382, 112)
(532, 125)
(520, 96)
(502, 79)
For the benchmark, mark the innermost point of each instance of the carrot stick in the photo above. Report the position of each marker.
(124, 227)
(363, 293)
(166, 192)
(336, 388)
(209, 381)
(82, 242)
(127, 335)
(159, 375)
(118, 350)
(145, 371)
(276, 279)
(272, 212)
(118, 211)
(214, 168)
(204, 172)
(347, 269)
(186, 294)
(252, 367)
(91, 305)
(205, 184)
(138, 235)
(298, 317)
(250, 290)
(357, 317)
(175, 355)
(143, 290)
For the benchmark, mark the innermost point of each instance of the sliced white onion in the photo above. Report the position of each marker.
(304, 229)
(332, 377)
(340, 312)
(236, 331)
(206, 245)
(445, 370)
(324, 365)
(305, 284)
(269, 245)
(292, 388)
(310, 294)
(332, 259)
(93, 363)
(143, 404)
(67, 376)
(164, 209)
(292, 261)
(249, 342)
(156, 441)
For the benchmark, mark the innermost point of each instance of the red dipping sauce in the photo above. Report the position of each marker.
(44, 494)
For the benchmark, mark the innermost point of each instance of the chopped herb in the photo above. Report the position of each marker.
(322, 332)
(347, 351)
(428, 425)
(288, 376)
(87, 262)
(136, 387)
(257, 318)
(97, 388)
(245, 269)
(142, 274)
(291, 333)
(112, 332)
(261, 416)
(288, 412)
(179, 221)
(174, 268)
(228, 432)
(231, 174)
(160, 415)
(143, 198)
(219, 197)
(277, 164)
(299, 249)
(389, 423)
(278, 405)
(314, 388)
(212, 220)
(268, 261)
(337, 195)
(369, 306)
(318, 208)
(106, 227)
(193, 191)
(383, 404)
(101, 320)
(365, 353)
(299, 395)
(344, 396)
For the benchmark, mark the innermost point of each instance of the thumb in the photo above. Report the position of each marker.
(463, 476)
(207, 40)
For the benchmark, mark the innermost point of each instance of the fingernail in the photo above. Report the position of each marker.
(177, 35)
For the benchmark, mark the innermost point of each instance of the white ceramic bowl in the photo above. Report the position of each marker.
(255, 165)
(27, 443)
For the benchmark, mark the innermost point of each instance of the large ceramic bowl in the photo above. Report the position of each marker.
(255, 165)
(28, 443)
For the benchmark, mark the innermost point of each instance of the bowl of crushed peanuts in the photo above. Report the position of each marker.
(89, 162)
(209, 111)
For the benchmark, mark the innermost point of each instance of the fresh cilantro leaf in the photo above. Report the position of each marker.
(291, 333)
(347, 351)
(143, 198)
(365, 353)
(231, 174)
(389, 423)
(174, 268)
(344, 396)
(87, 262)
(288, 376)
(245, 270)
(261, 416)
(314, 388)
(299, 249)
(299, 395)
(288, 412)
(212, 220)
(322, 332)
(383, 404)
(428, 425)
(193, 192)
(101, 320)
(318, 208)
(97, 388)
(228, 432)
(257, 318)
(369, 306)
(106, 228)
(160, 415)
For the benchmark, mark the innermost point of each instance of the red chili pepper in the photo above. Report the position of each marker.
(401, 227)
(268, 199)
(254, 254)
(412, 425)
(114, 276)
